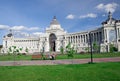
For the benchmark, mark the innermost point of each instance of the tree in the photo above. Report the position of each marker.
(87, 49)
(61, 50)
(113, 48)
(15, 51)
(20, 49)
(9, 50)
(95, 47)
(50, 50)
(26, 50)
(70, 50)
(1, 46)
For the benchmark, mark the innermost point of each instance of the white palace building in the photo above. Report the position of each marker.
(55, 37)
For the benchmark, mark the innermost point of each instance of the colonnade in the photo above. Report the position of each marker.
(31, 44)
(84, 38)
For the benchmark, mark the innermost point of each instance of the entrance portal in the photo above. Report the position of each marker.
(52, 39)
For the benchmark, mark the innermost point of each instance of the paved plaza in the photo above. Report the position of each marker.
(57, 62)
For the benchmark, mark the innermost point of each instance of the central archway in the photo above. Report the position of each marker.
(52, 39)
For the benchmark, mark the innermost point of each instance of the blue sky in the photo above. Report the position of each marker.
(33, 16)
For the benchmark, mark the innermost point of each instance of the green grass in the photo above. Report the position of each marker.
(82, 56)
(17, 57)
(81, 72)
(76, 56)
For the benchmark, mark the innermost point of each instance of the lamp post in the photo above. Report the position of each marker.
(91, 53)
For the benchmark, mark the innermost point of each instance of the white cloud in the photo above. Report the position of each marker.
(103, 15)
(20, 28)
(70, 16)
(4, 27)
(23, 31)
(27, 34)
(32, 28)
(24, 34)
(90, 15)
(100, 6)
(37, 33)
(107, 7)
(21, 34)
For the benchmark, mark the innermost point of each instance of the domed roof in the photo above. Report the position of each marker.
(10, 35)
(110, 18)
(54, 21)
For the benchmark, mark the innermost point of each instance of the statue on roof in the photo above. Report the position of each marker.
(109, 15)
(54, 21)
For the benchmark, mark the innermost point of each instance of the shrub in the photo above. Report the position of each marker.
(70, 50)
(113, 48)
(61, 50)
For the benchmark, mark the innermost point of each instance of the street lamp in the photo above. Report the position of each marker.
(90, 39)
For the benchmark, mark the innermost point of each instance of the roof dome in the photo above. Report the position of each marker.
(10, 35)
(54, 21)
(109, 19)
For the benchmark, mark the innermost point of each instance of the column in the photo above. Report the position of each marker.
(81, 39)
(96, 37)
(92, 37)
(71, 39)
(75, 39)
(86, 38)
(118, 32)
(104, 35)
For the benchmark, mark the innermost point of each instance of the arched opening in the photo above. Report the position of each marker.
(52, 39)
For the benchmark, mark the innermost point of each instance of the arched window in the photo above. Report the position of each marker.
(52, 39)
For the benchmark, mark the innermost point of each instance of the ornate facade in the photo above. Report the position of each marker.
(55, 37)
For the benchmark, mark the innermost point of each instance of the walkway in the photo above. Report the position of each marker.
(57, 62)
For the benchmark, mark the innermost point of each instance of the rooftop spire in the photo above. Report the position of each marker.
(10, 33)
(54, 21)
(10, 30)
(109, 15)
(54, 17)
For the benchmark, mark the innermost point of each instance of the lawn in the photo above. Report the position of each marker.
(82, 56)
(78, 72)
(76, 56)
